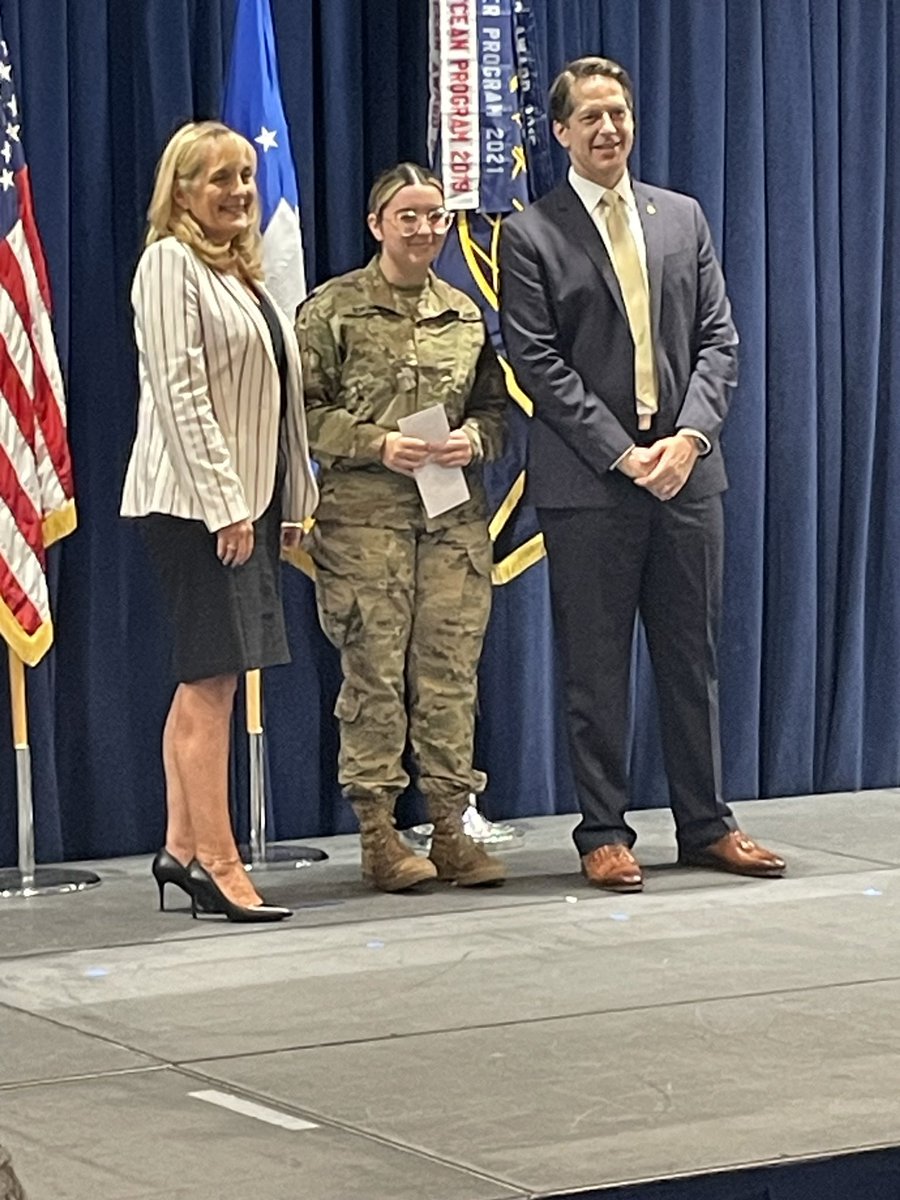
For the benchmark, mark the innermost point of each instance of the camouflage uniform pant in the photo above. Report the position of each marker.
(408, 610)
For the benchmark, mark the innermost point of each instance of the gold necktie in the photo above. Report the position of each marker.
(636, 295)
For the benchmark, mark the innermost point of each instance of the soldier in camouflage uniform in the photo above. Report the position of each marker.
(404, 597)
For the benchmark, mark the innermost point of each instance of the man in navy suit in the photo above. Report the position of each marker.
(617, 324)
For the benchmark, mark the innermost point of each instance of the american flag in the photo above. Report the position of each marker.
(36, 498)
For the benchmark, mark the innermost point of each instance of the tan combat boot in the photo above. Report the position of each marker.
(456, 856)
(387, 863)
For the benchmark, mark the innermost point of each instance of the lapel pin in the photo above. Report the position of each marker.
(651, 209)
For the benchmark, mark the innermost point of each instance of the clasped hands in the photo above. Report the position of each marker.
(406, 454)
(663, 468)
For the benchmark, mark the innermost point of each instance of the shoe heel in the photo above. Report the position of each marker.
(166, 869)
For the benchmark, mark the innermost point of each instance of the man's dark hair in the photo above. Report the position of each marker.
(561, 106)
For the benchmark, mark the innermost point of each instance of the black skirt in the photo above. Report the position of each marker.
(225, 620)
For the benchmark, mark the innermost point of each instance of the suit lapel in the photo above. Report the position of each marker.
(652, 225)
(573, 217)
(252, 309)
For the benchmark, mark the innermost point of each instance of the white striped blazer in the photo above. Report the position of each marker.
(206, 446)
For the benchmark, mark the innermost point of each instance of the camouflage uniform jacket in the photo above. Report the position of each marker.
(373, 353)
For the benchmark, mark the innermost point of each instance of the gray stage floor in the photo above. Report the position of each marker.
(453, 1045)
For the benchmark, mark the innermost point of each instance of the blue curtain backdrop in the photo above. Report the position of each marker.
(777, 114)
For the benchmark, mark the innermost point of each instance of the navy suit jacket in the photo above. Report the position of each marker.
(568, 340)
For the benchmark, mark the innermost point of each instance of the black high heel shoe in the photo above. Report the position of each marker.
(208, 897)
(167, 869)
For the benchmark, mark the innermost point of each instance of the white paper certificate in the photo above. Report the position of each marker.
(441, 488)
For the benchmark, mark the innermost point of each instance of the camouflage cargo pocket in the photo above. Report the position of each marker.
(363, 583)
(468, 573)
(477, 590)
(348, 703)
(339, 612)
(335, 592)
(481, 558)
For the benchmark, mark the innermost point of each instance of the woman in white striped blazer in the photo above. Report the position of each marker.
(219, 461)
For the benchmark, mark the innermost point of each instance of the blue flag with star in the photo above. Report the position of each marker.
(253, 107)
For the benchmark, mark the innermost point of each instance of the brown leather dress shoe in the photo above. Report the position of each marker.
(614, 868)
(737, 853)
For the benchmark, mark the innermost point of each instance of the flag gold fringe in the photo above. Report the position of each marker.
(521, 398)
(299, 558)
(519, 561)
(470, 249)
(59, 524)
(29, 648)
(507, 507)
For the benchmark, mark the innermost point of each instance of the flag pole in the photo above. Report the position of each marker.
(23, 767)
(255, 736)
(259, 855)
(252, 105)
(40, 475)
(27, 879)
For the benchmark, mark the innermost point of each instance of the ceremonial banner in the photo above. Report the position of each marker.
(253, 106)
(37, 504)
(518, 734)
(490, 143)
(458, 91)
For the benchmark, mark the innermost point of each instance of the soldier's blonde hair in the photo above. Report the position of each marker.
(389, 183)
(179, 165)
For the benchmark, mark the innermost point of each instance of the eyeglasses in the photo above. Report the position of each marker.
(409, 222)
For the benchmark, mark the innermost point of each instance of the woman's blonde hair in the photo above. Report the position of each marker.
(180, 164)
(389, 183)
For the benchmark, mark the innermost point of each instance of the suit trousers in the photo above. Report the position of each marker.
(662, 560)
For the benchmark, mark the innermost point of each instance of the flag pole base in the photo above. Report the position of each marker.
(44, 881)
(26, 879)
(282, 858)
(260, 855)
(496, 835)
